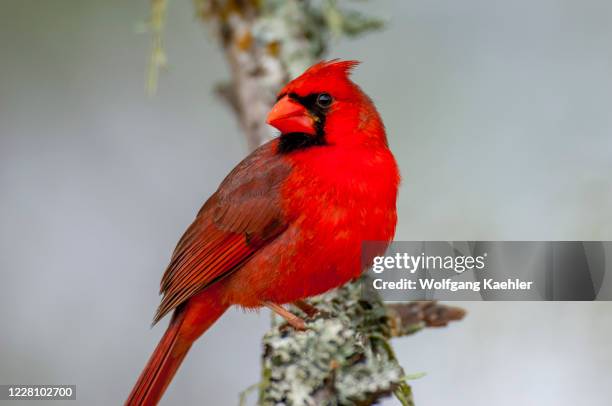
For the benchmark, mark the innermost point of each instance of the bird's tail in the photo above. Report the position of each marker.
(187, 324)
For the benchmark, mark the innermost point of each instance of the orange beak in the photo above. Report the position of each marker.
(289, 116)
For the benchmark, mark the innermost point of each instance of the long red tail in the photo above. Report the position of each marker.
(187, 324)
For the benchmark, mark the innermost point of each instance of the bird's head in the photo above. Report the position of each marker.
(324, 107)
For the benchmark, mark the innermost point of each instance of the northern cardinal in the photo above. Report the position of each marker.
(287, 223)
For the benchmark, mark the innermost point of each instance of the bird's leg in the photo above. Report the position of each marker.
(296, 322)
(307, 308)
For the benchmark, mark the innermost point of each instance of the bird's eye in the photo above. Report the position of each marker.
(324, 100)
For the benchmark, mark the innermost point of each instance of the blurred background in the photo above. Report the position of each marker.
(498, 113)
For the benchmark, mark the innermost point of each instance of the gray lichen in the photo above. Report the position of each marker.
(302, 30)
(343, 358)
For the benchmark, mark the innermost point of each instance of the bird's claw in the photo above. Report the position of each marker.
(309, 310)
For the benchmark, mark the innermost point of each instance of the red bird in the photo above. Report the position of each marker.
(287, 223)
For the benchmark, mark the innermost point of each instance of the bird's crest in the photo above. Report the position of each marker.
(323, 76)
(334, 67)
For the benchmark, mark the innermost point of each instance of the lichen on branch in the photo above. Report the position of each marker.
(345, 356)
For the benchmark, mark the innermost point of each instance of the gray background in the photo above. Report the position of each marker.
(497, 111)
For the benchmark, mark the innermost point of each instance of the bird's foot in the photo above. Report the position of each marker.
(293, 320)
(308, 309)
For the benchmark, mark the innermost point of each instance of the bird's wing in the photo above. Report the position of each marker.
(242, 216)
